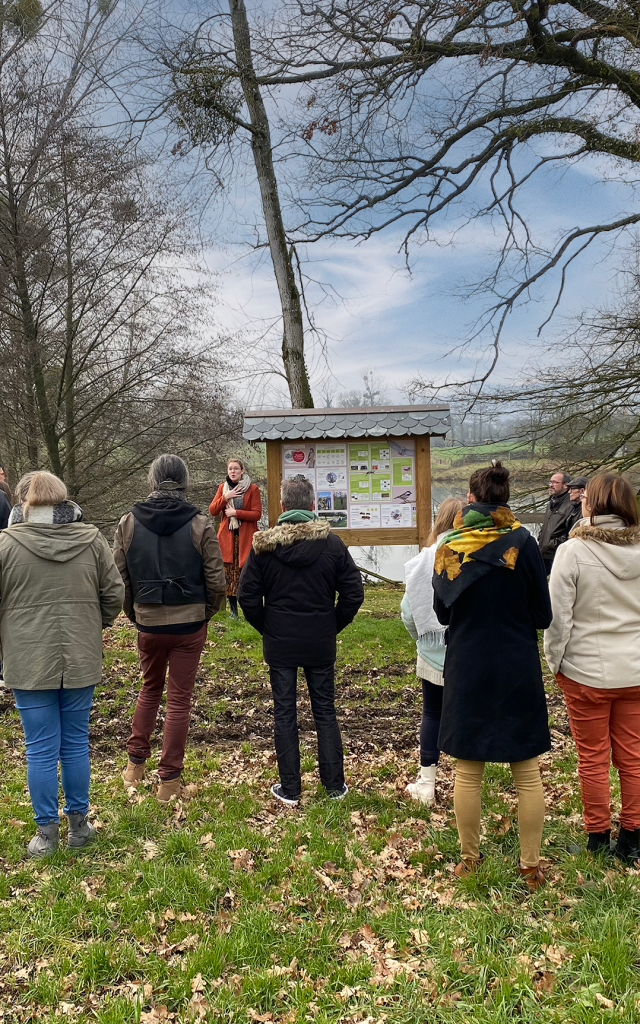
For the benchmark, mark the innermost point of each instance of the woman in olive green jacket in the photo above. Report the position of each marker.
(59, 588)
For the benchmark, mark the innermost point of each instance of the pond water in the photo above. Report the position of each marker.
(388, 561)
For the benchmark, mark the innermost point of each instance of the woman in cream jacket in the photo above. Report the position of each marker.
(593, 647)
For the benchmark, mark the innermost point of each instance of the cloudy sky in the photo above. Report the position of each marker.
(379, 317)
(376, 316)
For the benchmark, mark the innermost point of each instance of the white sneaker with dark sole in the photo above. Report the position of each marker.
(338, 794)
(276, 790)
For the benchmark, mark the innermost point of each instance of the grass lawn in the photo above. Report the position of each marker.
(226, 907)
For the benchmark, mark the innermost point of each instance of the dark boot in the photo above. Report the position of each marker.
(627, 845)
(233, 607)
(599, 842)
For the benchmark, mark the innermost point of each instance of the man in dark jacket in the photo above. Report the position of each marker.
(168, 555)
(576, 488)
(554, 527)
(288, 593)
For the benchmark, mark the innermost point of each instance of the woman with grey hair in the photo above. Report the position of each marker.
(169, 558)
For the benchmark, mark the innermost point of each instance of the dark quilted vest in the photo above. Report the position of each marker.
(165, 570)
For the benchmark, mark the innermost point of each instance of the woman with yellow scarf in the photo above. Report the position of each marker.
(491, 592)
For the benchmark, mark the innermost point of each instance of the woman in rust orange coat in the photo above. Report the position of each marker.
(239, 503)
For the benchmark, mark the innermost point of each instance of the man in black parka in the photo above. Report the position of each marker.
(288, 592)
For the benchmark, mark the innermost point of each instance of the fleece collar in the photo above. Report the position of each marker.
(296, 515)
(289, 533)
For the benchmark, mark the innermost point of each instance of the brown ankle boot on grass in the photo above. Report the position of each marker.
(167, 789)
(133, 774)
(532, 877)
(467, 866)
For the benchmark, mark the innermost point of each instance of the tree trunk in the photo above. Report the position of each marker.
(293, 333)
(68, 383)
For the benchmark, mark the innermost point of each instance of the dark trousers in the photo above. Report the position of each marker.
(430, 724)
(181, 652)
(320, 681)
(548, 564)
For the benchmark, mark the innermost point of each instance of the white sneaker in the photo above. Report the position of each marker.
(424, 788)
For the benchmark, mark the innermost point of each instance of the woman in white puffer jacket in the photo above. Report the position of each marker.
(593, 647)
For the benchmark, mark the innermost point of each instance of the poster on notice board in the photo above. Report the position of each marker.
(359, 485)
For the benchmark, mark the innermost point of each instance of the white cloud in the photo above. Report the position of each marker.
(377, 316)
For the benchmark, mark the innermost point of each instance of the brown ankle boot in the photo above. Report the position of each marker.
(467, 866)
(133, 774)
(167, 789)
(532, 877)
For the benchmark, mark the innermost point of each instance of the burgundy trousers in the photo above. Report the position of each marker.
(181, 652)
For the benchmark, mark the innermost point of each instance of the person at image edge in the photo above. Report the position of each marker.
(593, 647)
(59, 589)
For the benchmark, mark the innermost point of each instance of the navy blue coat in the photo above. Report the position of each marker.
(494, 706)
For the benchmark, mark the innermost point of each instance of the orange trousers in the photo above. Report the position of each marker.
(605, 725)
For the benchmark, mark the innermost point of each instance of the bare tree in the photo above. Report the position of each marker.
(584, 410)
(438, 112)
(99, 333)
(209, 106)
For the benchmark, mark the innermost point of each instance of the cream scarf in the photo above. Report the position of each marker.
(243, 483)
(419, 576)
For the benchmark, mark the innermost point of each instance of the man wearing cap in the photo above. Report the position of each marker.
(576, 492)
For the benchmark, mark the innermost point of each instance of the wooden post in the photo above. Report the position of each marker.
(423, 489)
(274, 479)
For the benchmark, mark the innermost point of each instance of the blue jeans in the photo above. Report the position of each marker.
(320, 682)
(56, 729)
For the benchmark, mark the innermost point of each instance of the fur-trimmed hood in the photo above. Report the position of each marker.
(615, 545)
(622, 536)
(288, 541)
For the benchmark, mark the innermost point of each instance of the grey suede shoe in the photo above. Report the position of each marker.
(45, 840)
(81, 831)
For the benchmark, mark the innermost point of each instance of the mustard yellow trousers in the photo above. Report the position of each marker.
(467, 807)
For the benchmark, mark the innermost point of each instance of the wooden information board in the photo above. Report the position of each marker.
(373, 491)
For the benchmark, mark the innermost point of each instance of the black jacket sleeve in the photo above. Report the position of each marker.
(5, 511)
(573, 518)
(349, 587)
(539, 598)
(251, 592)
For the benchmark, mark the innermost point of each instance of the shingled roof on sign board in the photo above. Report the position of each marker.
(362, 421)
